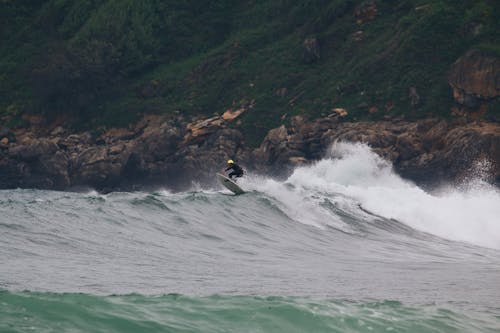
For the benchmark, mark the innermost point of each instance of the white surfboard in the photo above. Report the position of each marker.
(229, 184)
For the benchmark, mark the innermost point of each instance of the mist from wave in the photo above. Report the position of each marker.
(358, 181)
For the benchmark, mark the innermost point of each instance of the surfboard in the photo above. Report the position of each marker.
(229, 184)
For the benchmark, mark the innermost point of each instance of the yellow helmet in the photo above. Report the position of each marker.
(230, 161)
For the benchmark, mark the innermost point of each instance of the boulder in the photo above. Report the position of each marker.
(96, 167)
(475, 78)
(32, 149)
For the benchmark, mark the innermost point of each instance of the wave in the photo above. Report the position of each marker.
(70, 312)
(356, 181)
(346, 227)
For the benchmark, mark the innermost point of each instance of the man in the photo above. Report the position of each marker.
(237, 170)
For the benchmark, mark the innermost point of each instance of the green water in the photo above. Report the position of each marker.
(48, 312)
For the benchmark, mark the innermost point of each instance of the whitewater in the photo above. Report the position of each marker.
(341, 245)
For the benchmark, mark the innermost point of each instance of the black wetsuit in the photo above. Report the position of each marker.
(237, 170)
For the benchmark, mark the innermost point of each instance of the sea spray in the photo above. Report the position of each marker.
(353, 176)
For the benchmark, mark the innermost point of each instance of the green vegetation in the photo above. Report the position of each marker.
(107, 62)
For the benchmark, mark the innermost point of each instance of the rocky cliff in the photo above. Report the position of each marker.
(174, 152)
(475, 80)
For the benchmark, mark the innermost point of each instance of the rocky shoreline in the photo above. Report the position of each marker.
(174, 153)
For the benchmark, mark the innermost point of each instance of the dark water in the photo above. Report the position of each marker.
(341, 246)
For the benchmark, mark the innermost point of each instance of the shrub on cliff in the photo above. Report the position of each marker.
(88, 58)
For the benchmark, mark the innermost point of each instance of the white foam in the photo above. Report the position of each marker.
(470, 213)
(298, 202)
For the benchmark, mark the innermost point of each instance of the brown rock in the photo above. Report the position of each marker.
(116, 149)
(58, 131)
(232, 114)
(340, 111)
(114, 134)
(95, 167)
(474, 78)
(272, 145)
(56, 168)
(366, 11)
(33, 149)
(198, 130)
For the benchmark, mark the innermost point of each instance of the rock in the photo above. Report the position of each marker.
(297, 122)
(427, 151)
(95, 167)
(311, 50)
(56, 168)
(297, 160)
(272, 145)
(340, 111)
(34, 163)
(33, 149)
(84, 138)
(198, 130)
(116, 149)
(474, 78)
(159, 153)
(114, 134)
(58, 131)
(366, 11)
(232, 114)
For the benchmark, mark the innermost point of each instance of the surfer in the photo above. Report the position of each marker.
(237, 170)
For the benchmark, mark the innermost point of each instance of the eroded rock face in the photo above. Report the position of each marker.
(475, 78)
(175, 153)
(427, 151)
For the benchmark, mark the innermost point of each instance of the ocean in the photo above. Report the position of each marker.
(342, 245)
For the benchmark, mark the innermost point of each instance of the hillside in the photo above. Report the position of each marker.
(94, 64)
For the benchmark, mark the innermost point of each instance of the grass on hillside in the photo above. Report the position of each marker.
(89, 59)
